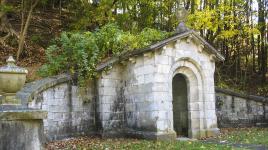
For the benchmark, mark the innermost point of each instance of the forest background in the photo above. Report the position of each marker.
(238, 28)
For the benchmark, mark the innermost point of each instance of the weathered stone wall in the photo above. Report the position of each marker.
(71, 111)
(239, 110)
(110, 105)
(141, 110)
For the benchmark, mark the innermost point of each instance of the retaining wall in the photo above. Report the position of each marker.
(71, 111)
(240, 110)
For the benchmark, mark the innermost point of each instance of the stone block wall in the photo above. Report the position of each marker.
(71, 111)
(110, 105)
(239, 110)
(141, 110)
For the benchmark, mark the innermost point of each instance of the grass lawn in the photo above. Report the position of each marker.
(244, 135)
(132, 144)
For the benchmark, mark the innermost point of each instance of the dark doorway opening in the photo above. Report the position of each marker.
(180, 105)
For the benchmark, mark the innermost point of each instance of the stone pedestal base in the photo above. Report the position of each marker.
(22, 129)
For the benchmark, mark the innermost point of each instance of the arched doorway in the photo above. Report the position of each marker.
(180, 105)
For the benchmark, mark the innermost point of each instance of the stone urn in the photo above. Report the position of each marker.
(12, 79)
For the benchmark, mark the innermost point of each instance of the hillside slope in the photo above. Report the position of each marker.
(45, 25)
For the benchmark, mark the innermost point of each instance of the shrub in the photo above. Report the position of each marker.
(80, 52)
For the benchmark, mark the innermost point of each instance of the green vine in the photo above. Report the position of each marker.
(80, 52)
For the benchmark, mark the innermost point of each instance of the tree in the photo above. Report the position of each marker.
(25, 22)
(236, 27)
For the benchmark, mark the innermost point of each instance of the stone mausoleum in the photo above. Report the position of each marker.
(161, 92)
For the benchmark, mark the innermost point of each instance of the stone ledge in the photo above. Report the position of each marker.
(30, 90)
(23, 115)
(245, 96)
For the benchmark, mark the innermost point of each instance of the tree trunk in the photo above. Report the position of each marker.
(263, 51)
(25, 28)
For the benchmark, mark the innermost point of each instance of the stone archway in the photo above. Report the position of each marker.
(190, 70)
(180, 105)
